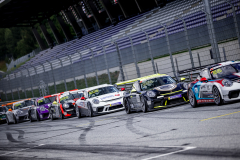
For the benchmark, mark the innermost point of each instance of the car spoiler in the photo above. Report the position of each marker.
(128, 84)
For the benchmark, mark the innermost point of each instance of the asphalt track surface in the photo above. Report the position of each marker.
(180, 132)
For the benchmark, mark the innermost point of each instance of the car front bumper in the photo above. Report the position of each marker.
(231, 93)
(107, 107)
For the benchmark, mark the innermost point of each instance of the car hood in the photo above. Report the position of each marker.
(45, 105)
(69, 101)
(168, 89)
(22, 111)
(108, 97)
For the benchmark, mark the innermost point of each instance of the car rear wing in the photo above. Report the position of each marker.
(128, 84)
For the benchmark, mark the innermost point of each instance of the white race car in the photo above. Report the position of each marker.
(217, 84)
(99, 99)
(19, 111)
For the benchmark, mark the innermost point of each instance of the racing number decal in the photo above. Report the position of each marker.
(205, 90)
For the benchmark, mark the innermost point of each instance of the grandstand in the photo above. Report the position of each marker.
(135, 34)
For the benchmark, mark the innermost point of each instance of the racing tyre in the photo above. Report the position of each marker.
(217, 96)
(7, 121)
(78, 113)
(144, 105)
(90, 110)
(192, 99)
(127, 107)
(60, 113)
(51, 116)
(15, 119)
(38, 117)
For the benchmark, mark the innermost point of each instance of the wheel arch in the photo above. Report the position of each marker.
(218, 87)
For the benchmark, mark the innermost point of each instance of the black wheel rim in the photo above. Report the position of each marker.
(191, 97)
(216, 95)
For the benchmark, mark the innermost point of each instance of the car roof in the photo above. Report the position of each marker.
(99, 86)
(142, 78)
(221, 64)
(18, 102)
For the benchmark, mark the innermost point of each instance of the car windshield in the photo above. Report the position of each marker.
(3, 109)
(222, 71)
(43, 101)
(75, 95)
(9, 106)
(29, 102)
(102, 91)
(65, 98)
(19, 105)
(237, 66)
(52, 99)
(155, 82)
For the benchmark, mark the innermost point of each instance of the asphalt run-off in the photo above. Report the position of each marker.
(180, 132)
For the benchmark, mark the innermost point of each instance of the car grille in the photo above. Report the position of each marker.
(175, 101)
(115, 107)
(71, 112)
(233, 94)
(100, 109)
(45, 115)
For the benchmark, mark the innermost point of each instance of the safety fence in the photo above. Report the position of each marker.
(167, 51)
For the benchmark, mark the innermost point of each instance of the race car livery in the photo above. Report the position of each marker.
(3, 110)
(63, 106)
(98, 100)
(153, 92)
(19, 111)
(217, 84)
(40, 110)
(75, 94)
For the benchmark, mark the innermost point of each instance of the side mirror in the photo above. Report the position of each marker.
(10, 110)
(203, 79)
(183, 79)
(122, 89)
(82, 98)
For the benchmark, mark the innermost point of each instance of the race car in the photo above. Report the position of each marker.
(63, 106)
(19, 111)
(3, 110)
(75, 94)
(154, 92)
(40, 109)
(98, 100)
(217, 84)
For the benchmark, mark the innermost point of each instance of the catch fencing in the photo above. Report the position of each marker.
(133, 55)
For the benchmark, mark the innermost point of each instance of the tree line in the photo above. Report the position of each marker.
(16, 42)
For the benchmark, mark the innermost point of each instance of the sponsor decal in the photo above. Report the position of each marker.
(205, 100)
(174, 97)
(110, 96)
(115, 104)
(117, 94)
(195, 89)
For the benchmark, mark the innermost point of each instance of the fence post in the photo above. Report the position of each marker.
(105, 58)
(74, 79)
(83, 67)
(134, 57)
(157, 68)
(235, 20)
(150, 51)
(199, 61)
(22, 84)
(119, 60)
(169, 49)
(10, 86)
(53, 76)
(94, 64)
(62, 74)
(31, 82)
(36, 75)
(224, 54)
(47, 75)
(6, 95)
(187, 40)
(211, 29)
(17, 87)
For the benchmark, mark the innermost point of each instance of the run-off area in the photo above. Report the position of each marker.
(180, 132)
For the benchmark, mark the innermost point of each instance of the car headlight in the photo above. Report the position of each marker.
(19, 112)
(227, 83)
(185, 86)
(151, 94)
(95, 101)
(65, 105)
(42, 108)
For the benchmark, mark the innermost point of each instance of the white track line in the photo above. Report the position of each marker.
(162, 155)
(21, 150)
